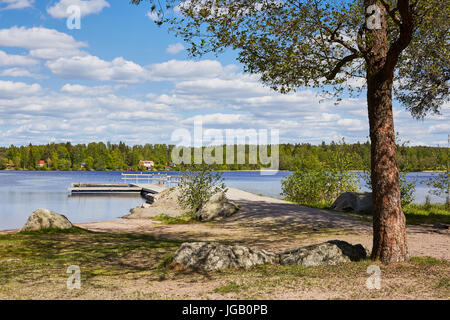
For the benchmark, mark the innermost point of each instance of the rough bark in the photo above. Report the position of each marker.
(389, 229)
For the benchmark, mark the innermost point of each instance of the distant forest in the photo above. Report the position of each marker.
(100, 156)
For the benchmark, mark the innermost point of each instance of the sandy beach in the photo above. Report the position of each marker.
(123, 258)
(276, 225)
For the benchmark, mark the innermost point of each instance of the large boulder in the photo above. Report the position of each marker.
(165, 202)
(46, 219)
(218, 206)
(354, 202)
(328, 253)
(211, 256)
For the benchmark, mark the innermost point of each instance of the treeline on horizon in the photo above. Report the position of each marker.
(100, 156)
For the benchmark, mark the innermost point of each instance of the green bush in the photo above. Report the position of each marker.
(316, 184)
(440, 186)
(197, 187)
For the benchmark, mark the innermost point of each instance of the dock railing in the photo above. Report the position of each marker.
(151, 178)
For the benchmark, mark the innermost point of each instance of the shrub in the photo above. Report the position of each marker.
(440, 186)
(407, 189)
(197, 187)
(315, 184)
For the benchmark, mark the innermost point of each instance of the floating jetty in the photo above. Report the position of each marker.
(135, 183)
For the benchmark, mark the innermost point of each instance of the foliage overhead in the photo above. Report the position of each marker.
(321, 43)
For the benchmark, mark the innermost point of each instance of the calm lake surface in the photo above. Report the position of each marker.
(22, 192)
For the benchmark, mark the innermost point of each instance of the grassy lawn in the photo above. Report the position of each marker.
(117, 266)
(414, 213)
(429, 214)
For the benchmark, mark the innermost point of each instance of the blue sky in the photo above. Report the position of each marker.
(122, 78)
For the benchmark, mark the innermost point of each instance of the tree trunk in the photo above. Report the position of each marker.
(389, 229)
(389, 225)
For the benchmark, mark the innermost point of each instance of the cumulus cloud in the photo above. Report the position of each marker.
(18, 72)
(10, 89)
(93, 68)
(15, 4)
(443, 128)
(43, 42)
(175, 48)
(219, 119)
(220, 96)
(15, 60)
(87, 7)
(81, 90)
(186, 69)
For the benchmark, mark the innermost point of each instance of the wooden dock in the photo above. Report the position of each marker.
(139, 183)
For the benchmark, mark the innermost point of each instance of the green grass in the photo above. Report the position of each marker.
(443, 284)
(186, 218)
(232, 286)
(427, 261)
(96, 253)
(427, 213)
(414, 213)
(73, 230)
(34, 264)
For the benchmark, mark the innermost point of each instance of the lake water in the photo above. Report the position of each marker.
(22, 192)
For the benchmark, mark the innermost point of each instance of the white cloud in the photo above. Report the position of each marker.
(223, 87)
(55, 53)
(81, 90)
(37, 38)
(18, 72)
(59, 10)
(175, 48)
(218, 119)
(220, 96)
(93, 68)
(15, 60)
(9, 89)
(15, 4)
(443, 128)
(352, 124)
(186, 69)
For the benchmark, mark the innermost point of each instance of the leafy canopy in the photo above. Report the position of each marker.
(317, 43)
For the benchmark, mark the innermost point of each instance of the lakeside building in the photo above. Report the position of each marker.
(146, 164)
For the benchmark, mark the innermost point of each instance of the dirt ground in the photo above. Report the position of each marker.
(276, 225)
(123, 258)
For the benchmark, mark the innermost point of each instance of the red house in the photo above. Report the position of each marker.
(146, 163)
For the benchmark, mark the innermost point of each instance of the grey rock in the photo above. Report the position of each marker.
(211, 256)
(328, 253)
(217, 207)
(354, 202)
(164, 203)
(46, 219)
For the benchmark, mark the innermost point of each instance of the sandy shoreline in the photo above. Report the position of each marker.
(277, 224)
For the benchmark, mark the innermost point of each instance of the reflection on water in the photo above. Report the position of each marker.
(23, 192)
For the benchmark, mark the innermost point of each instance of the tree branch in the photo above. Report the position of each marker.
(340, 64)
(406, 32)
(391, 12)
